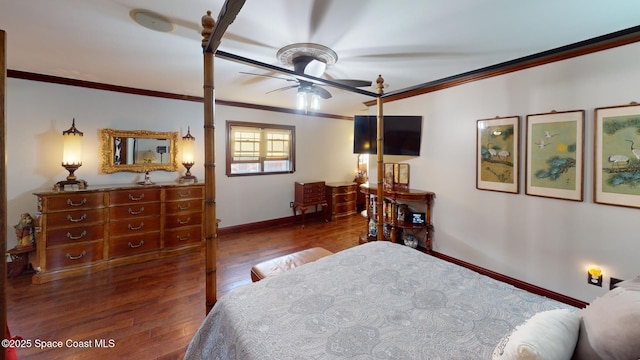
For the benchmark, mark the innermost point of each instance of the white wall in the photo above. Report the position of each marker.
(38, 112)
(546, 242)
(543, 241)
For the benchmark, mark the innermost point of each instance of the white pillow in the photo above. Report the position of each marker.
(549, 335)
(632, 284)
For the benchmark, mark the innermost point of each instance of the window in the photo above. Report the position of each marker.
(258, 149)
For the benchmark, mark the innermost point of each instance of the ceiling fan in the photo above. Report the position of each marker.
(309, 59)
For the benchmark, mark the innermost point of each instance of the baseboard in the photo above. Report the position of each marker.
(512, 281)
(261, 225)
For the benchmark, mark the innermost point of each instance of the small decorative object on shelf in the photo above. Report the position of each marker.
(373, 229)
(403, 209)
(410, 241)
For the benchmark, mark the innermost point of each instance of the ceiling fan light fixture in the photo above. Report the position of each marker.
(307, 99)
(301, 99)
(303, 54)
(315, 68)
(315, 102)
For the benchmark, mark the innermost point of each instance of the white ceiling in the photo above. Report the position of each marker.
(408, 42)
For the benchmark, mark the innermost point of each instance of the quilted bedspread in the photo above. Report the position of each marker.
(375, 301)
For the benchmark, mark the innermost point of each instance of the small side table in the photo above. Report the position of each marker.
(19, 260)
(309, 194)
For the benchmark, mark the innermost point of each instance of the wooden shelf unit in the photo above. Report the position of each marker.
(393, 198)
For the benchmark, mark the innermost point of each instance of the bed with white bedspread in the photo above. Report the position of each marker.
(375, 301)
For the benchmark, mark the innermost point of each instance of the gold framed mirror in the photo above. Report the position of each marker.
(138, 150)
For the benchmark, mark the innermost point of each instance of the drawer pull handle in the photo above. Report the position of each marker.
(183, 238)
(133, 212)
(81, 218)
(136, 246)
(184, 194)
(180, 207)
(71, 257)
(83, 234)
(181, 222)
(132, 198)
(71, 203)
(136, 227)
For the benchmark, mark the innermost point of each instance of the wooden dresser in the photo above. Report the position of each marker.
(309, 194)
(97, 228)
(341, 198)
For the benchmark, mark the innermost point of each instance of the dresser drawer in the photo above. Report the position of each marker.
(131, 211)
(74, 218)
(183, 236)
(345, 208)
(311, 189)
(74, 254)
(183, 193)
(341, 189)
(132, 196)
(74, 234)
(135, 244)
(194, 205)
(126, 227)
(74, 201)
(180, 220)
(342, 198)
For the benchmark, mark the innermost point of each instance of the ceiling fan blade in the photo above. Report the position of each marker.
(283, 88)
(322, 92)
(353, 83)
(269, 76)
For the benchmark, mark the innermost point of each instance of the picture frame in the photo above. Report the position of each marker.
(498, 154)
(388, 175)
(617, 155)
(554, 160)
(401, 175)
(396, 175)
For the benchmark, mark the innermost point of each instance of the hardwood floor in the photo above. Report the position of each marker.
(151, 310)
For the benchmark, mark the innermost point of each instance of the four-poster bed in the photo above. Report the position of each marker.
(211, 38)
(377, 299)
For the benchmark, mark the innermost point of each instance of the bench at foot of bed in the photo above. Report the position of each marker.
(286, 262)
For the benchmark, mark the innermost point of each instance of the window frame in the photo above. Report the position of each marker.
(262, 126)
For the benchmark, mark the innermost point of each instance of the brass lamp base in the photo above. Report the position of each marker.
(71, 178)
(61, 184)
(188, 176)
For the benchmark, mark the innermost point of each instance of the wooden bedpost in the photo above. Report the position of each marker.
(380, 153)
(211, 229)
(212, 33)
(3, 176)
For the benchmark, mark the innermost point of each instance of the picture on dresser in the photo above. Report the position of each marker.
(497, 154)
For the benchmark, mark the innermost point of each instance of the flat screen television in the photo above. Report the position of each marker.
(402, 134)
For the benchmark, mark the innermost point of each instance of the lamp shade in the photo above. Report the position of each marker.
(72, 146)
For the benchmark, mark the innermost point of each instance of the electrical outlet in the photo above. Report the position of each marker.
(291, 204)
(613, 282)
